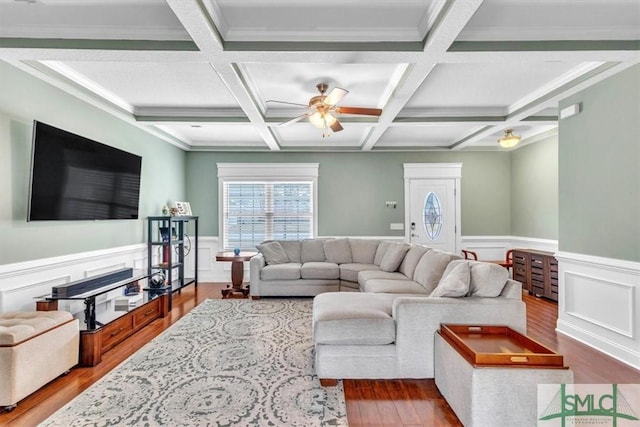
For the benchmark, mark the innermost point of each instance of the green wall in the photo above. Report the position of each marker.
(599, 164)
(23, 99)
(534, 190)
(352, 189)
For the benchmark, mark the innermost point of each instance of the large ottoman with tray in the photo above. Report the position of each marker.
(489, 375)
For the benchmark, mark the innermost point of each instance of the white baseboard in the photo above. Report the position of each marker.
(599, 304)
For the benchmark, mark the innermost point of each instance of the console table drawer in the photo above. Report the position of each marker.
(116, 331)
(146, 314)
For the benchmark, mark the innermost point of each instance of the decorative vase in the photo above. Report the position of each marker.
(236, 251)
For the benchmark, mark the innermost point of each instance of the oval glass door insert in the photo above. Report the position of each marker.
(432, 216)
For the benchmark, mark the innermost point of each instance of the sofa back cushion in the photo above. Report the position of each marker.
(380, 251)
(313, 250)
(363, 251)
(411, 259)
(455, 280)
(292, 248)
(393, 256)
(338, 251)
(487, 279)
(273, 252)
(431, 266)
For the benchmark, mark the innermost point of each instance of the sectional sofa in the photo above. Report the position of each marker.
(387, 329)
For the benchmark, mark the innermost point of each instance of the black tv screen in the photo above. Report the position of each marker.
(76, 178)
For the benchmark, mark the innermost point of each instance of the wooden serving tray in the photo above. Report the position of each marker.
(499, 346)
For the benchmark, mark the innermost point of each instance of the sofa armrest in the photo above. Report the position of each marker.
(418, 318)
(512, 290)
(256, 264)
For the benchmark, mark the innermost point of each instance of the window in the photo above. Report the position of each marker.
(266, 201)
(432, 216)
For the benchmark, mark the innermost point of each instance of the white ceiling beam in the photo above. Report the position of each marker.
(451, 22)
(233, 80)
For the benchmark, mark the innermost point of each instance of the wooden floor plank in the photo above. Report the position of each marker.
(414, 402)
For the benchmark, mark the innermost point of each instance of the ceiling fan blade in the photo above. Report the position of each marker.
(335, 96)
(285, 102)
(295, 119)
(336, 126)
(359, 110)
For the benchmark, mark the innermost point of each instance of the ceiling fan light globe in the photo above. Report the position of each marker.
(329, 119)
(317, 120)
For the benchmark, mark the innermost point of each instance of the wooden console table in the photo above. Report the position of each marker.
(237, 271)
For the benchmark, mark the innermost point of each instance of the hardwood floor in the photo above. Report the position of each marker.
(369, 402)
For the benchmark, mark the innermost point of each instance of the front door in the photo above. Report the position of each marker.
(432, 213)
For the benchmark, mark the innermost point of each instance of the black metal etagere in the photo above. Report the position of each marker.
(169, 233)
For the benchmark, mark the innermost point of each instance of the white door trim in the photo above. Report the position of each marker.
(451, 171)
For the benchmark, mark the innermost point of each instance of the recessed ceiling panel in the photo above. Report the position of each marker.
(213, 134)
(90, 19)
(323, 21)
(492, 86)
(304, 135)
(500, 20)
(425, 136)
(154, 84)
(369, 85)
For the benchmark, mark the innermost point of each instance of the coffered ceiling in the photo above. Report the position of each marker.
(448, 75)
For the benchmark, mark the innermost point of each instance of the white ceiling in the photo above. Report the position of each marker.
(449, 75)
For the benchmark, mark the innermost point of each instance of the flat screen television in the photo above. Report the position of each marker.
(76, 178)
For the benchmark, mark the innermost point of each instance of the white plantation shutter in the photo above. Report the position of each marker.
(258, 211)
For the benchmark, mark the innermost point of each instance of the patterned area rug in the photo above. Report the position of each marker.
(227, 362)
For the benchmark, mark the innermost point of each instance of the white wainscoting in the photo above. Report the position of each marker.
(599, 304)
(21, 283)
(495, 247)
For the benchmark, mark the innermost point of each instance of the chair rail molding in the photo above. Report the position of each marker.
(599, 304)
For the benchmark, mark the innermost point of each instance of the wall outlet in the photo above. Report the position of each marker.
(391, 204)
(396, 226)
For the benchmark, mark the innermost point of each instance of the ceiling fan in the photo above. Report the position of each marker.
(321, 109)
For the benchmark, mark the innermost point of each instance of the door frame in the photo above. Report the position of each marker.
(425, 171)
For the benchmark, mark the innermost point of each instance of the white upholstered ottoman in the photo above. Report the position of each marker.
(491, 396)
(35, 348)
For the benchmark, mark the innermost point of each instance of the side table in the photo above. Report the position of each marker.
(237, 271)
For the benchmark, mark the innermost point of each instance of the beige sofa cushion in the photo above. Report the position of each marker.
(288, 271)
(430, 268)
(350, 271)
(292, 248)
(365, 275)
(393, 286)
(320, 270)
(454, 282)
(394, 256)
(411, 259)
(363, 251)
(487, 279)
(341, 318)
(273, 252)
(382, 249)
(338, 251)
(313, 250)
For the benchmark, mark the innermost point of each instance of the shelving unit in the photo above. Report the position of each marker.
(170, 235)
